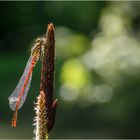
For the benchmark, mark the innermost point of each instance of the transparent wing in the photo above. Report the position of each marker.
(14, 96)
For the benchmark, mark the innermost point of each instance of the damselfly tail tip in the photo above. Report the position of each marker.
(13, 124)
(14, 119)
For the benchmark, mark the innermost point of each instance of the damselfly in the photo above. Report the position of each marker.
(18, 97)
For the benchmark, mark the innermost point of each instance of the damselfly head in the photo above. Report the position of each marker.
(36, 50)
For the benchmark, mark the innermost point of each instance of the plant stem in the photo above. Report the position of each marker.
(46, 105)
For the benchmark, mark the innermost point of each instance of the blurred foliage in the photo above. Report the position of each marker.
(97, 66)
(29, 19)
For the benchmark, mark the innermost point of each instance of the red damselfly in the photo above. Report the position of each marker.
(18, 97)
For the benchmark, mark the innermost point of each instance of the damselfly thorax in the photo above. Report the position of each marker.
(38, 48)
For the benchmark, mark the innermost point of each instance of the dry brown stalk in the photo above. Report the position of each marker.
(46, 105)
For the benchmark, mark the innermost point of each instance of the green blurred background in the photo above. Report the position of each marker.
(97, 77)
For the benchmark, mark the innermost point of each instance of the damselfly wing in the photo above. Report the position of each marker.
(14, 97)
